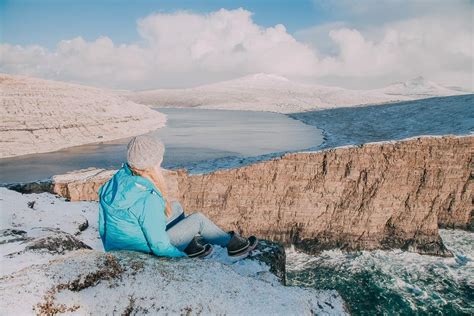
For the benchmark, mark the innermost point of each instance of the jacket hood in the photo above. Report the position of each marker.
(124, 189)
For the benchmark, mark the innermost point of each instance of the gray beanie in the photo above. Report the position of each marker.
(144, 152)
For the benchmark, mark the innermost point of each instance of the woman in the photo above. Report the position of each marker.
(134, 208)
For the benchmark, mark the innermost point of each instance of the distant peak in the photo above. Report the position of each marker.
(419, 78)
(418, 81)
(265, 76)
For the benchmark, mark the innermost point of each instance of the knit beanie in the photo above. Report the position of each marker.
(144, 152)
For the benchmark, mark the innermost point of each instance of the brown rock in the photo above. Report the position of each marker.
(380, 195)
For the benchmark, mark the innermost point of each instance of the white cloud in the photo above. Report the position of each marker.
(176, 49)
(183, 49)
(437, 46)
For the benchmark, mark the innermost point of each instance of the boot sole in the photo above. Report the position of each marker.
(252, 243)
(206, 250)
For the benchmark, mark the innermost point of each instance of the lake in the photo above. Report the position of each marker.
(199, 140)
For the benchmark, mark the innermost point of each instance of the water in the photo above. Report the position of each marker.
(358, 125)
(198, 140)
(394, 282)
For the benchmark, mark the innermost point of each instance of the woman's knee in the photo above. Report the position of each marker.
(197, 215)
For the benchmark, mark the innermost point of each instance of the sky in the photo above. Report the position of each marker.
(168, 44)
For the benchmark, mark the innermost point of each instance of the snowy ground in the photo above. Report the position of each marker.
(39, 116)
(266, 92)
(388, 122)
(89, 281)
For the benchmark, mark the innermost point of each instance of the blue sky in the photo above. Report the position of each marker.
(139, 44)
(46, 22)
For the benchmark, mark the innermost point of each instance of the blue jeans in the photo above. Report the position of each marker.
(181, 229)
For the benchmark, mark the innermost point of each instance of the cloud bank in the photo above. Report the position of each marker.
(185, 49)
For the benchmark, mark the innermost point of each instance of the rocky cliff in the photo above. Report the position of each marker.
(378, 195)
(38, 116)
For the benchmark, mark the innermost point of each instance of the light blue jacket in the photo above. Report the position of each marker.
(132, 216)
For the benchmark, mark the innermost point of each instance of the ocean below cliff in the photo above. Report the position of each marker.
(394, 282)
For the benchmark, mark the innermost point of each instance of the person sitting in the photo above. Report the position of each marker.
(135, 214)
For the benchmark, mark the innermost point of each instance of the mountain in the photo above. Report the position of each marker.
(419, 88)
(40, 116)
(266, 92)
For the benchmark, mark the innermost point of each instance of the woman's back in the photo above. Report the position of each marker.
(123, 200)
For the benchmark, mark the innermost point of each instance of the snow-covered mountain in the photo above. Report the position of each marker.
(39, 116)
(266, 92)
(419, 88)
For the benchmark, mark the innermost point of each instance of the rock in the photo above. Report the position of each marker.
(32, 187)
(92, 282)
(273, 255)
(84, 184)
(10, 235)
(52, 241)
(57, 242)
(373, 196)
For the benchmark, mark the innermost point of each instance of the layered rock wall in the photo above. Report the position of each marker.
(38, 116)
(379, 195)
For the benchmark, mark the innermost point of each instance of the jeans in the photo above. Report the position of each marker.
(181, 229)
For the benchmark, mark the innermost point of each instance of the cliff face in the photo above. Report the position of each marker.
(39, 115)
(380, 195)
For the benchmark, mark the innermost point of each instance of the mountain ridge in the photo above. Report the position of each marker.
(268, 92)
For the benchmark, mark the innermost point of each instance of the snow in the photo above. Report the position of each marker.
(45, 211)
(267, 92)
(146, 284)
(39, 116)
(418, 88)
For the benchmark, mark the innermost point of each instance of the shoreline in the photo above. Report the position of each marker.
(250, 160)
(195, 140)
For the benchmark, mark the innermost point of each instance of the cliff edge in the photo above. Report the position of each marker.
(373, 196)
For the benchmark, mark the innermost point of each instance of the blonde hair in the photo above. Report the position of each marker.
(156, 177)
(152, 175)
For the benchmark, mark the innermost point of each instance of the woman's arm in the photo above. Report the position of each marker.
(153, 224)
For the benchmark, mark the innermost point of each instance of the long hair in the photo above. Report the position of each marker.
(156, 177)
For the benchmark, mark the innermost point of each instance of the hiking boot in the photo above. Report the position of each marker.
(197, 249)
(239, 245)
(208, 249)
